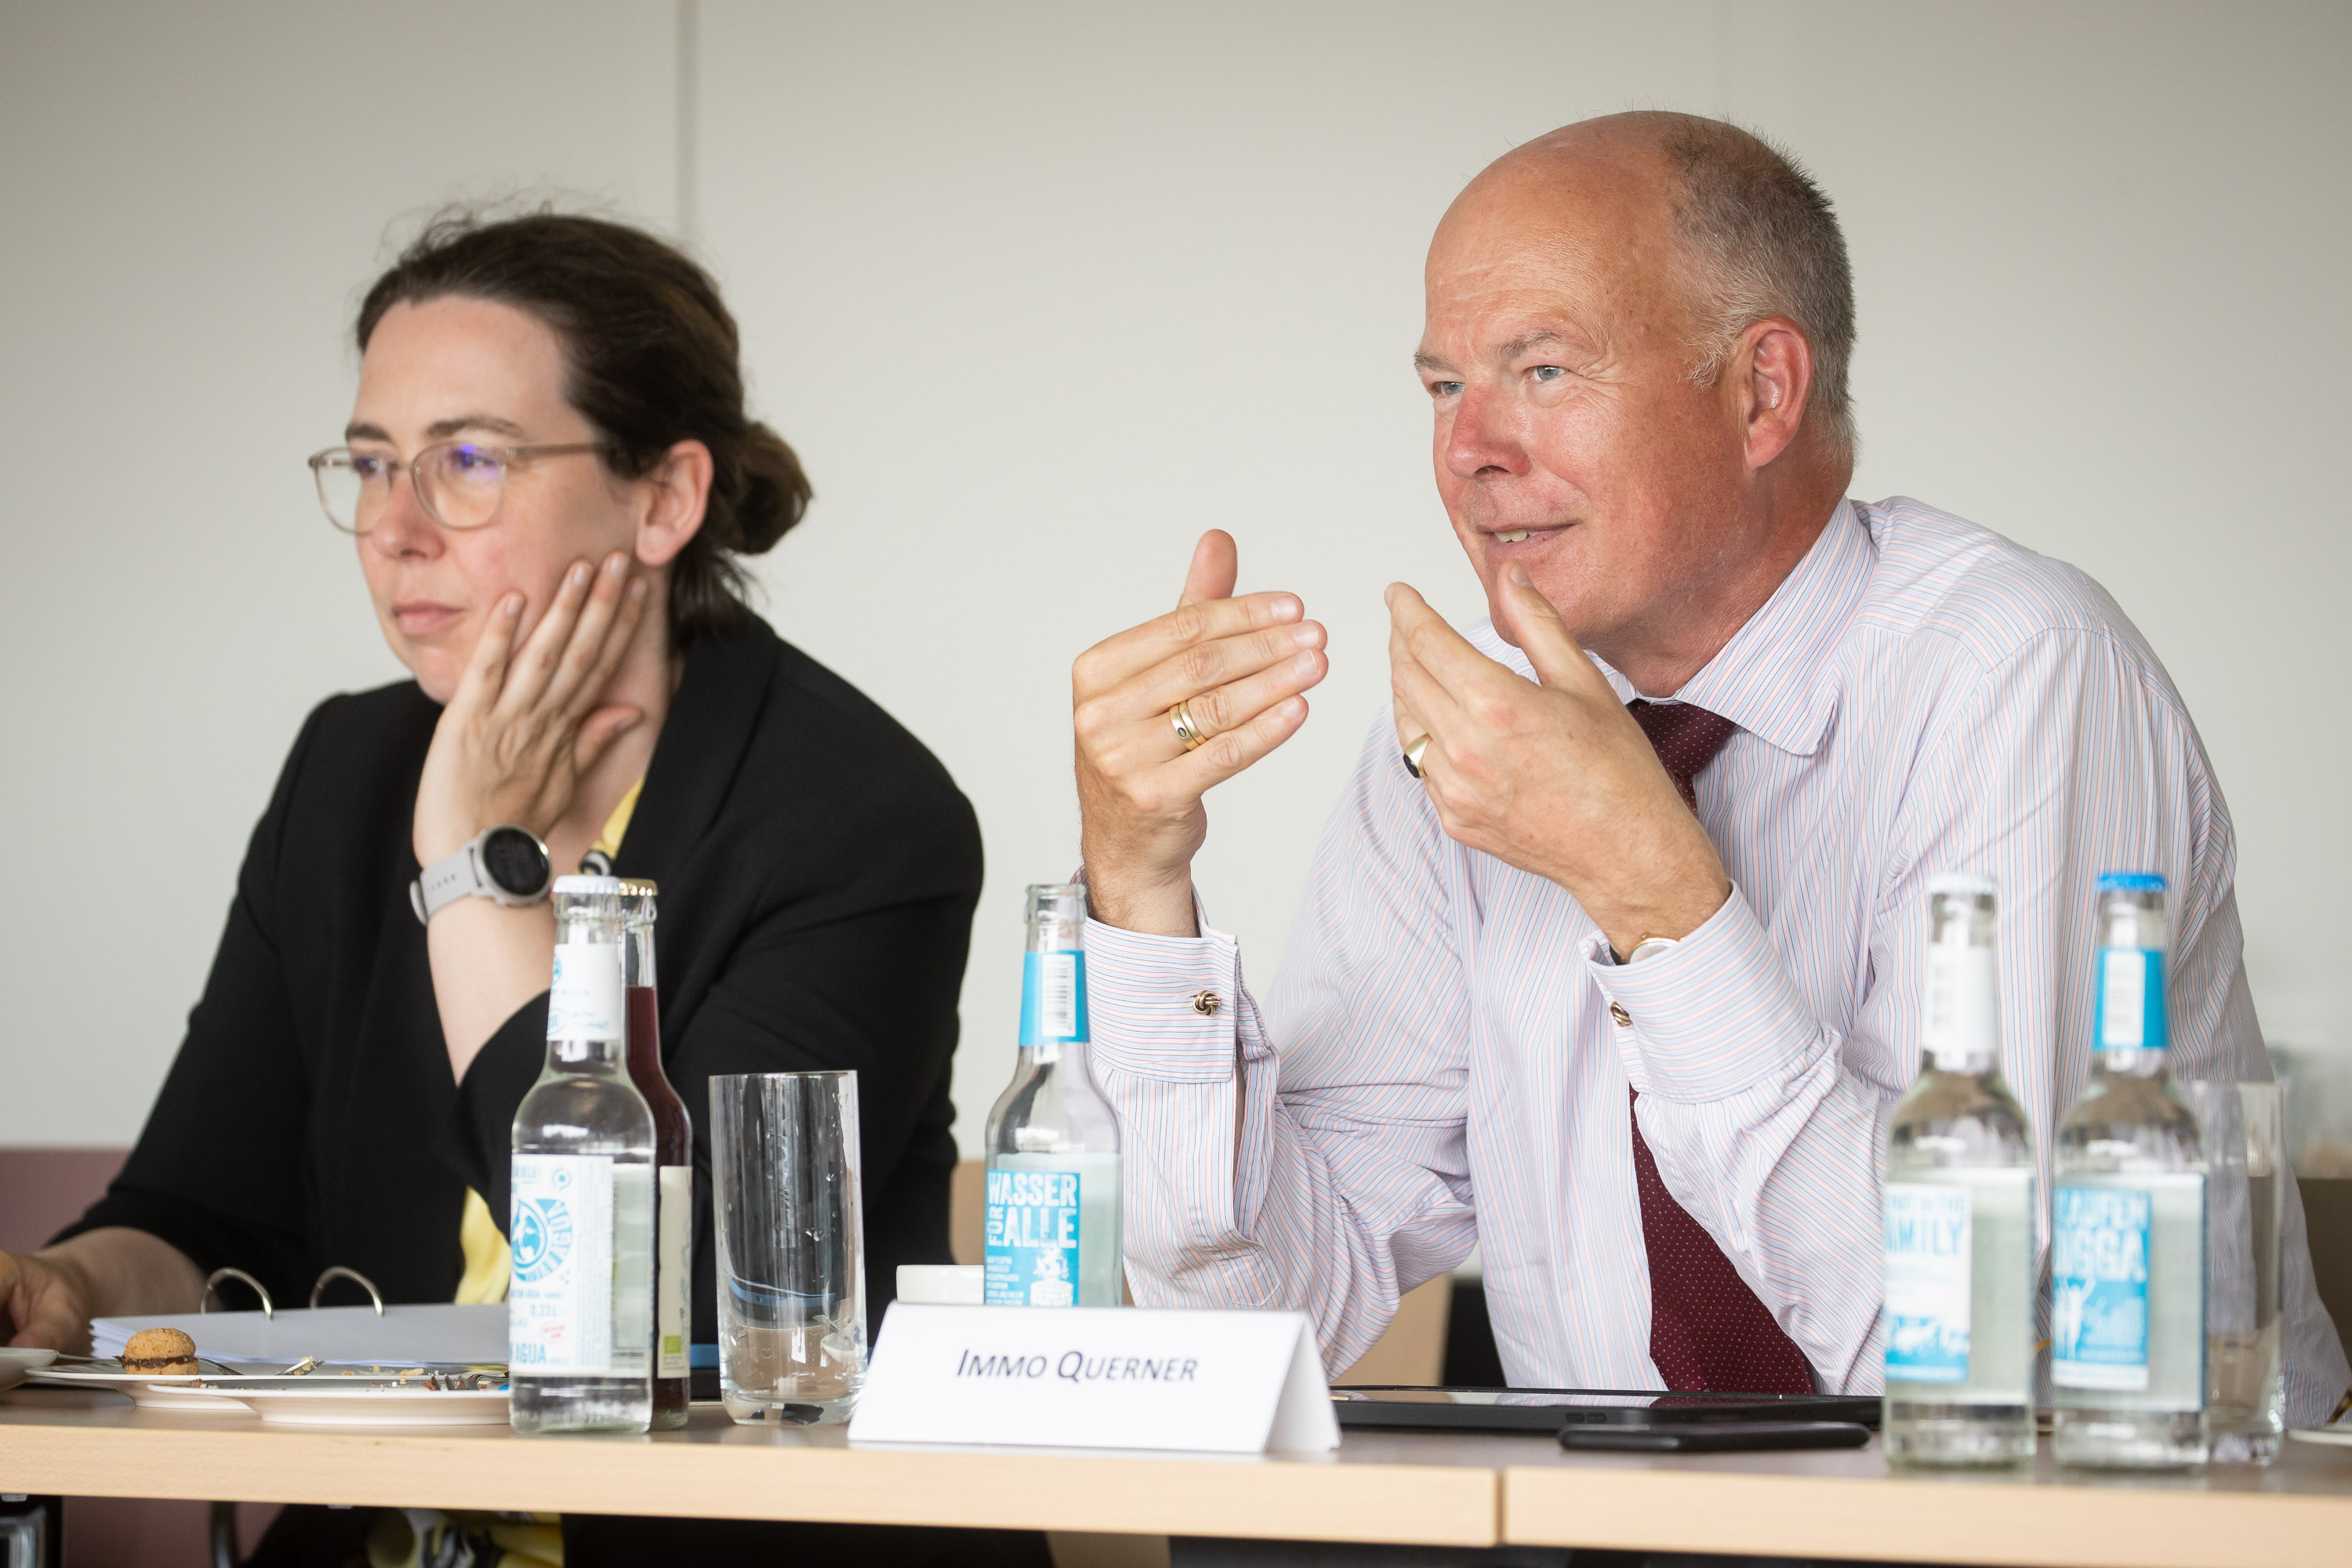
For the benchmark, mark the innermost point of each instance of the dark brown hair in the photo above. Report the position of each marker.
(651, 357)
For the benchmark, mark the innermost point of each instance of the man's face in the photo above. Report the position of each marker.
(1569, 436)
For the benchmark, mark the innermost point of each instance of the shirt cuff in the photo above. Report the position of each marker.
(1163, 1007)
(1710, 1016)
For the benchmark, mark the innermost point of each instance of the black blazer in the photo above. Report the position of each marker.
(818, 870)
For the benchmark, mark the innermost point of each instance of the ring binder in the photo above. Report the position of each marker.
(204, 1303)
(319, 1285)
(268, 1308)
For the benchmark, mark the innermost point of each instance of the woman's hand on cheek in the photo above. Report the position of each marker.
(525, 723)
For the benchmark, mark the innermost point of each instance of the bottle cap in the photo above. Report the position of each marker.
(2131, 882)
(639, 888)
(586, 886)
(1963, 884)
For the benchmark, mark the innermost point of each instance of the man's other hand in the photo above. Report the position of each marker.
(1556, 779)
(1241, 666)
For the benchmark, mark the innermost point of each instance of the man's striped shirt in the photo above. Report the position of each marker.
(1437, 1065)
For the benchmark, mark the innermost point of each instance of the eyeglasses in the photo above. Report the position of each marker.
(459, 484)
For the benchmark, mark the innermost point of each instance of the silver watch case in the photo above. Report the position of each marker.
(496, 864)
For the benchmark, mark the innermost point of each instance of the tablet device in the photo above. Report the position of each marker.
(1714, 1436)
(1548, 1410)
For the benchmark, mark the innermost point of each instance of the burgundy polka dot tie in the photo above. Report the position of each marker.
(1707, 1330)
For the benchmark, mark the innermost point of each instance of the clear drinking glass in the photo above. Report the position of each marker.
(791, 1246)
(2245, 1152)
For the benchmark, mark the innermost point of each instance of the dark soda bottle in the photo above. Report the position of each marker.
(673, 1159)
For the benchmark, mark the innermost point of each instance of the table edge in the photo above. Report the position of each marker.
(1456, 1505)
(1896, 1518)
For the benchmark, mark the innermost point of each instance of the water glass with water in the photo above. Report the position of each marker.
(791, 1246)
(2245, 1152)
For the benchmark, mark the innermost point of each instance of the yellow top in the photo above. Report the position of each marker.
(616, 826)
(487, 1257)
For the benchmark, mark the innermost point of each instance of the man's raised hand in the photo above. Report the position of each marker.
(1241, 666)
(1556, 779)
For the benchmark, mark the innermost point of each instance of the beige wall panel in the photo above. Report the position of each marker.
(1042, 291)
(192, 200)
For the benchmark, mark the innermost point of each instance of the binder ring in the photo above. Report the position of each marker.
(204, 1303)
(319, 1285)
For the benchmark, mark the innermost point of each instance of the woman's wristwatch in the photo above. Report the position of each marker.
(507, 864)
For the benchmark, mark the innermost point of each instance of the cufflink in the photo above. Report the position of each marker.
(1617, 1011)
(1206, 1002)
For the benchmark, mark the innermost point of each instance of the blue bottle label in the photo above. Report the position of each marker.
(1033, 1237)
(1930, 1240)
(2098, 1287)
(2131, 1000)
(1054, 999)
(560, 1293)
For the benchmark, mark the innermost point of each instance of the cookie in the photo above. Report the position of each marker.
(161, 1353)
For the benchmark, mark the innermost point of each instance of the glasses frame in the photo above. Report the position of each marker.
(508, 457)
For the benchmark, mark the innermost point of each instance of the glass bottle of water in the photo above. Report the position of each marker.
(2127, 1221)
(580, 1300)
(1960, 1213)
(1052, 1182)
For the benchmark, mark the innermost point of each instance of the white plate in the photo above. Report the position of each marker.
(367, 1404)
(2340, 1436)
(147, 1392)
(15, 1363)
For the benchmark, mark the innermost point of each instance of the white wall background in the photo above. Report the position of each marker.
(1039, 293)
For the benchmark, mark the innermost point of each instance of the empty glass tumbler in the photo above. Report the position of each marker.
(2245, 1154)
(791, 1246)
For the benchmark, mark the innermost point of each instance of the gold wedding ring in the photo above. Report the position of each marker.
(1414, 750)
(1187, 729)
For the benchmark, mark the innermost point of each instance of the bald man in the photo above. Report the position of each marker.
(1619, 979)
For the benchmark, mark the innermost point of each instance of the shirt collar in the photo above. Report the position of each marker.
(1774, 677)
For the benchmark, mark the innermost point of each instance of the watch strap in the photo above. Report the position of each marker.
(455, 876)
(462, 874)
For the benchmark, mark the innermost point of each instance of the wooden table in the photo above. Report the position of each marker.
(1402, 1488)
(1378, 1488)
(1844, 1503)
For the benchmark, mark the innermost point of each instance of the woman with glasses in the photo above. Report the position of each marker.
(549, 480)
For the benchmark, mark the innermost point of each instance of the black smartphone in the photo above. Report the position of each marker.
(1713, 1437)
(1546, 1410)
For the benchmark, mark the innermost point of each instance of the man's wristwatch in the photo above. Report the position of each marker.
(1650, 947)
(507, 864)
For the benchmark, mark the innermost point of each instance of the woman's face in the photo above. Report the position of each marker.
(457, 369)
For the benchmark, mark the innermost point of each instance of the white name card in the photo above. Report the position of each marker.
(1095, 1377)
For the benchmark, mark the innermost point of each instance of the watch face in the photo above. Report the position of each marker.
(514, 862)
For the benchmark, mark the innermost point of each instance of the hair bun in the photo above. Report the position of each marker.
(771, 497)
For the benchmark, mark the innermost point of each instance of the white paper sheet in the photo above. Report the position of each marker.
(341, 1336)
